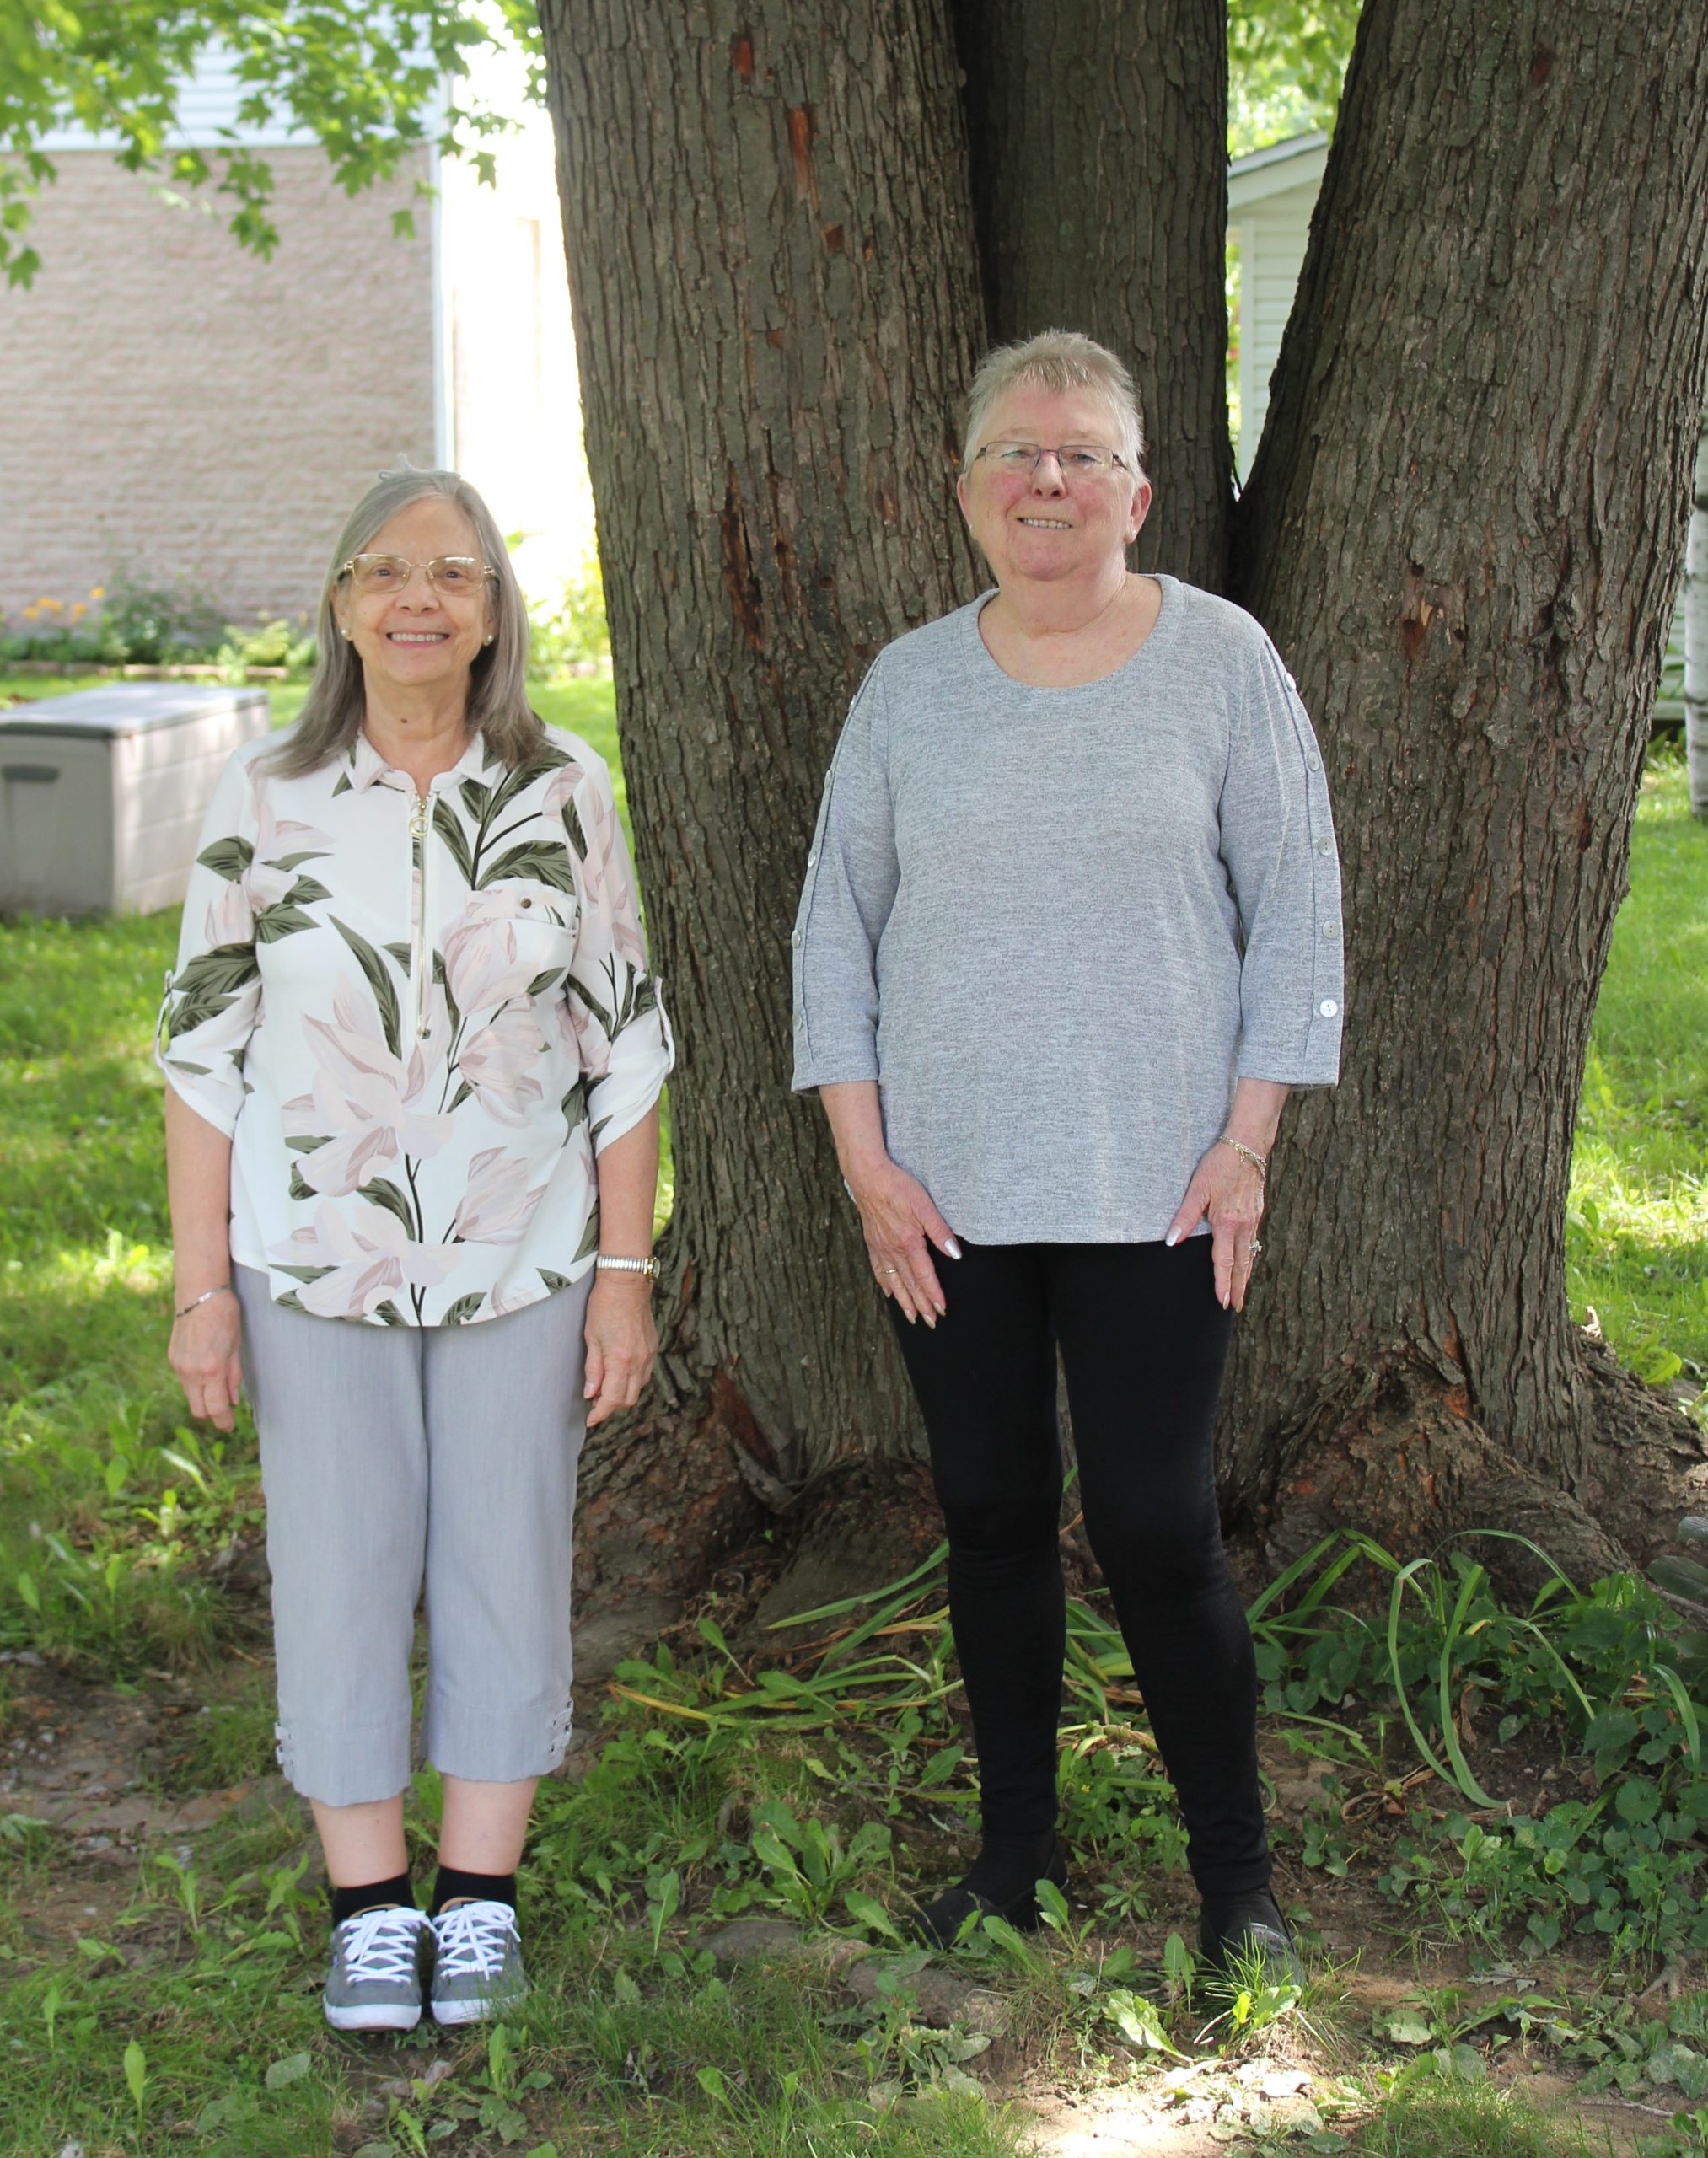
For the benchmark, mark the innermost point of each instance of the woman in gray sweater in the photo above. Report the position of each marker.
(1070, 932)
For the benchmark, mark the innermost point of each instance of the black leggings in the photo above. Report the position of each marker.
(1143, 1342)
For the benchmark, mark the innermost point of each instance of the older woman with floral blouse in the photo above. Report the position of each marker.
(414, 1059)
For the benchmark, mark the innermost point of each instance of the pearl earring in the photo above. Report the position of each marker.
(487, 639)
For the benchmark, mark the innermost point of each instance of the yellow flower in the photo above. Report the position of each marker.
(80, 608)
(30, 613)
(51, 606)
(98, 592)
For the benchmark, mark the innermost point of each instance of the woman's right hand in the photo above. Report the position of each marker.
(206, 1352)
(902, 1225)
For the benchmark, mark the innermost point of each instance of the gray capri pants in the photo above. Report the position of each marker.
(392, 1452)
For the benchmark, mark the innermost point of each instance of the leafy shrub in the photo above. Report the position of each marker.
(569, 634)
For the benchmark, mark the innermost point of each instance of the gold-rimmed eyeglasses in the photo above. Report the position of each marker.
(450, 575)
(1077, 460)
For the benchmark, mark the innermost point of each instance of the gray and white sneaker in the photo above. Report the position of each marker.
(477, 1962)
(375, 1983)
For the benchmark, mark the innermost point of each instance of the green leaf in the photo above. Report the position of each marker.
(290, 2069)
(545, 862)
(307, 1145)
(464, 1309)
(306, 892)
(343, 787)
(572, 825)
(28, 1592)
(305, 1275)
(574, 1104)
(283, 920)
(300, 1187)
(229, 858)
(867, 1911)
(476, 799)
(542, 982)
(554, 1281)
(221, 970)
(463, 1093)
(296, 860)
(1404, 2026)
(402, 953)
(136, 2072)
(580, 989)
(590, 1239)
(380, 1191)
(380, 981)
(389, 1312)
(453, 839)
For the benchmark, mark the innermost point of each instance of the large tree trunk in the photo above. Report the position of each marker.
(1696, 634)
(777, 310)
(1464, 529)
(1098, 142)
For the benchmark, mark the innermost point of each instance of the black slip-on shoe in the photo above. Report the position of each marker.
(1250, 1929)
(941, 1920)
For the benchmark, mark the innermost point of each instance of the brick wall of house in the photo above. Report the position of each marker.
(173, 407)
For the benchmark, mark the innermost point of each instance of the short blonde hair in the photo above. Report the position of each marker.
(1056, 360)
(498, 707)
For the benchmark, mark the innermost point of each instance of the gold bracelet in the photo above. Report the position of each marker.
(1259, 1161)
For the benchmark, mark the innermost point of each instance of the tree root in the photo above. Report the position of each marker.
(1411, 1466)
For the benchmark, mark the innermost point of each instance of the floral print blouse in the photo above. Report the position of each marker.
(419, 1018)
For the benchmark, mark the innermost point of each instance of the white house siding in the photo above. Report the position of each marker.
(1270, 195)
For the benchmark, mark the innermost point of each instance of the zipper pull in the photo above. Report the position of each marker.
(418, 817)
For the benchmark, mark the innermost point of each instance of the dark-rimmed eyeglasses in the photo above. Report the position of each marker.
(450, 575)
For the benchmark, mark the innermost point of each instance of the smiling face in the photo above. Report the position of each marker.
(1044, 525)
(414, 637)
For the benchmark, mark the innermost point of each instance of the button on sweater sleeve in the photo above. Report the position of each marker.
(623, 1035)
(213, 993)
(853, 874)
(1278, 843)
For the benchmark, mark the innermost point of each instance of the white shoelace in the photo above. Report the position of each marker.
(380, 1945)
(472, 1938)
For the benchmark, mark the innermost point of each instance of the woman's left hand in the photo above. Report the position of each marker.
(1228, 1189)
(622, 1343)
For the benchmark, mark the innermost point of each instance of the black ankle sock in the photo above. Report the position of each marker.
(481, 1887)
(347, 1901)
(1008, 1866)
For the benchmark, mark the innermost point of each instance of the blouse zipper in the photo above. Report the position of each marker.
(418, 959)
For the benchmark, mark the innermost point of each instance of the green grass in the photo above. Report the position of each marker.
(1638, 1223)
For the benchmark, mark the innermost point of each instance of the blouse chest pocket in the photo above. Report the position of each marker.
(510, 941)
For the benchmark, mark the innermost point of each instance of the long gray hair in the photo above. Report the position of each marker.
(498, 707)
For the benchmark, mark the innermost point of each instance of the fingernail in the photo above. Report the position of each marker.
(952, 1248)
(1173, 1237)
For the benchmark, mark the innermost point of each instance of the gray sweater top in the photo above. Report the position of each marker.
(1057, 924)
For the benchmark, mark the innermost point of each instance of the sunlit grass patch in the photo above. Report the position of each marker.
(1637, 1228)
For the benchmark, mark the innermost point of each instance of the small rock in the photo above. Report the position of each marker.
(940, 1998)
(744, 1941)
(29, 1657)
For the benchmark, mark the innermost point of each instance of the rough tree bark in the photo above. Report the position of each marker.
(1696, 634)
(1464, 528)
(776, 311)
(1097, 137)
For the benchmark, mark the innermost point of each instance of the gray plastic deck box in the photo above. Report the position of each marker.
(102, 792)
